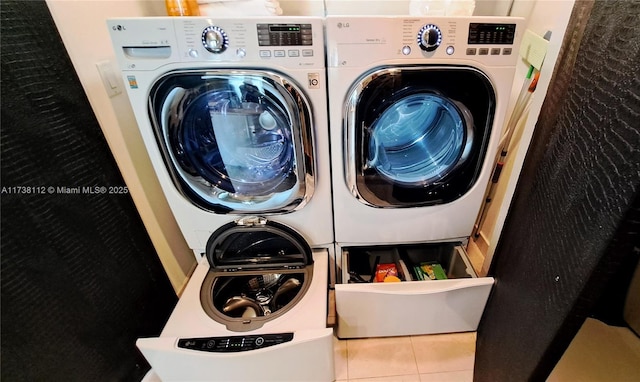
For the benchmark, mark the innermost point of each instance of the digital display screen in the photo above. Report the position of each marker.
(486, 33)
(280, 28)
(284, 34)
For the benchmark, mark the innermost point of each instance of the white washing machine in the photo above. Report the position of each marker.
(233, 116)
(417, 106)
(255, 309)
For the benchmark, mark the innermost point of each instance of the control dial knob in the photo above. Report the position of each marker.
(214, 39)
(429, 37)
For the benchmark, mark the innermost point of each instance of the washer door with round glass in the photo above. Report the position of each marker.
(235, 141)
(417, 136)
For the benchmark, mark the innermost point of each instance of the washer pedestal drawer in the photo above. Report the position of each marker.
(308, 356)
(379, 309)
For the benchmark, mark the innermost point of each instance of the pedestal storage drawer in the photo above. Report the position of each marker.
(417, 304)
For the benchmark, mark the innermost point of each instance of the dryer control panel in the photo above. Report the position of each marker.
(363, 40)
(234, 344)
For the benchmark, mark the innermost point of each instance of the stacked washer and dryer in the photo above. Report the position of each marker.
(416, 109)
(232, 112)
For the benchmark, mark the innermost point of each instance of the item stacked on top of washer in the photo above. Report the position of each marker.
(239, 8)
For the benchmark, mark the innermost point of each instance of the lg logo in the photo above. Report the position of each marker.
(343, 25)
(118, 28)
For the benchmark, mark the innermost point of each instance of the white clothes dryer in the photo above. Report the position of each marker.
(232, 112)
(233, 116)
(416, 109)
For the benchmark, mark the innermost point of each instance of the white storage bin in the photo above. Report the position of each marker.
(410, 307)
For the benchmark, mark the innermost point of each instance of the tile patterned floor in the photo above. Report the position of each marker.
(429, 358)
(599, 353)
(442, 357)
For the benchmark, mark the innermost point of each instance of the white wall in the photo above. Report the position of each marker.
(542, 15)
(82, 25)
(302, 7)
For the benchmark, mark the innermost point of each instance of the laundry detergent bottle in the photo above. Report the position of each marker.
(182, 7)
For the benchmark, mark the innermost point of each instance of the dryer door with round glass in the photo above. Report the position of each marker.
(417, 136)
(235, 141)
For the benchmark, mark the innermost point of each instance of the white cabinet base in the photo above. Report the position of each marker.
(411, 308)
(308, 357)
(381, 309)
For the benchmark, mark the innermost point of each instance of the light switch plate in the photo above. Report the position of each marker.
(109, 78)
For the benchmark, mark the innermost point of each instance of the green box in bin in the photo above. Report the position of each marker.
(429, 271)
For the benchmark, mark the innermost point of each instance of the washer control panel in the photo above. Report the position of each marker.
(234, 40)
(150, 43)
(234, 344)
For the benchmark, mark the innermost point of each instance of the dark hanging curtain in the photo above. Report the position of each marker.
(572, 237)
(80, 277)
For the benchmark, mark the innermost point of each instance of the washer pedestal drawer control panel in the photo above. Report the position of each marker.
(234, 344)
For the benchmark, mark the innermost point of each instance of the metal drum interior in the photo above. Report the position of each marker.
(420, 139)
(416, 135)
(235, 141)
(259, 270)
